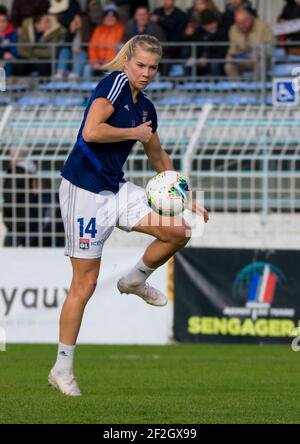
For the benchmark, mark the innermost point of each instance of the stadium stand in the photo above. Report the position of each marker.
(246, 155)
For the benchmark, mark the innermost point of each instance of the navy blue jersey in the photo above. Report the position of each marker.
(98, 166)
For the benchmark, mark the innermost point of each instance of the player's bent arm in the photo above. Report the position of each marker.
(96, 130)
(157, 156)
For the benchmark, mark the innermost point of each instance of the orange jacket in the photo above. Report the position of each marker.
(111, 35)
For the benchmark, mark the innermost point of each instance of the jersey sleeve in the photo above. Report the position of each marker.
(153, 117)
(111, 88)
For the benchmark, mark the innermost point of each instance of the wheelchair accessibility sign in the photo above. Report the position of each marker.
(284, 92)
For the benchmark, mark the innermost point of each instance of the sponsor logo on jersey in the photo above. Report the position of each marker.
(145, 115)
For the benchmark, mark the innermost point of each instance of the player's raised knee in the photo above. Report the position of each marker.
(176, 235)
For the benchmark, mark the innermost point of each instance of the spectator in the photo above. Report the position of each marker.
(73, 56)
(8, 42)
(193, 13)
(247, 32)
(22, 10)
(20, 209)
(141, 24)
(173, 21)
(67, 14)
(65, 11)
(126, 8)
(94, 11)
(104, 41)
(291, 11)
(210, 31)
(193, 16)
(40, 30)
(231, 7)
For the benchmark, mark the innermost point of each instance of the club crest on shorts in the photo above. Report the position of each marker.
(84, 244)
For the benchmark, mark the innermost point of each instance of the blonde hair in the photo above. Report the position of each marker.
(145, 42)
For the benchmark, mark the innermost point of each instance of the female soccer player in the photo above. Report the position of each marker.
(94, 197)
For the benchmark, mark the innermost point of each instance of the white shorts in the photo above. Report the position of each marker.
(90, 218)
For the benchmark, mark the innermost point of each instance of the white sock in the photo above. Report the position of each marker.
(138, 274)
(65, 359)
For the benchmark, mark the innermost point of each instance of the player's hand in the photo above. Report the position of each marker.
(144, 132)
(196, 208)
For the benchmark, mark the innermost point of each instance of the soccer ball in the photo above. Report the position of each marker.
(168, 193)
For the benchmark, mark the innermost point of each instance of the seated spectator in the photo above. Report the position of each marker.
(231, 7)
(72, 58)
(39, 32)
(104, 41)
(193, 17)
(64, 11)
(210, 30)
(291, 11)
(22, 10)
(94, 11)
(141, 24)
(8, 42)
(126, 8)
(247, 32)
(173, 21)
(193, 13)
(67, 14)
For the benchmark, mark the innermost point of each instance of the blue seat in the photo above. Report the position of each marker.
(55, 86)
(200, 101)
(283, 70)
(241, 100)
(172, 101)
(18, 87)
(5, 100)
(68, 101)
(293, 58)
(248, 75)
(34, 101)
(84, 86)
(160, 86)
(269, 99)
(195, 86)
(176, 70)
(279, 54)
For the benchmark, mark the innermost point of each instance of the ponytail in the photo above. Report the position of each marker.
(146, 42)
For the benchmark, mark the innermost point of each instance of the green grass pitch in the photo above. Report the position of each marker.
(183, 383)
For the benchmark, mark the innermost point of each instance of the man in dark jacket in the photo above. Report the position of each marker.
(210, 31)
(171, 19)
(141, 24)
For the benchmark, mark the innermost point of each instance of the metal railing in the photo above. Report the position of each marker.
(246, 159)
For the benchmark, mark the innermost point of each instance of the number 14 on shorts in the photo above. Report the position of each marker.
(89, 228)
